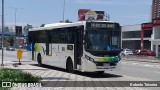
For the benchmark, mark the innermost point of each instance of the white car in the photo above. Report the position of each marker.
(127, 52)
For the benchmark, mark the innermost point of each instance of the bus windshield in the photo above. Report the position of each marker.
(102, 40)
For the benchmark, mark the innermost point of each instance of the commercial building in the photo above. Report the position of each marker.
(137, 36)
(145, 35)
(131, 36)
(155, 39)
(9, 36)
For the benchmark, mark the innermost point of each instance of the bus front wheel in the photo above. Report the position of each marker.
(69, 66)
(100, 72)
(39, 59)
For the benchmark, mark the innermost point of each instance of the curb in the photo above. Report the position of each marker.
(141, 60)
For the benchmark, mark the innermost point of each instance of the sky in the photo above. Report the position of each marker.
(37, 12)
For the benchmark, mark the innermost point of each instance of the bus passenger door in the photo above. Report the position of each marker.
(78, 46)
(48, 49)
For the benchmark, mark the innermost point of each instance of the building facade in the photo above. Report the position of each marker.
(146, 33)
(10, 36)
(155, 9)
(155, 39)
(131, 36)
(136, 36)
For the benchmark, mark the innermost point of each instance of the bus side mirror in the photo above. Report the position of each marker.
(69, 47)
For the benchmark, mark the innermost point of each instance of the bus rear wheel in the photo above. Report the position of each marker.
(39, 59)
(69, 66)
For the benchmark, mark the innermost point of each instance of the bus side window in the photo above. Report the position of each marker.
(70, 47)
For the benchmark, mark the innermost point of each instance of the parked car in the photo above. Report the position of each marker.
(10, 48)
(127, 52)
(146, 52)
(135, 51)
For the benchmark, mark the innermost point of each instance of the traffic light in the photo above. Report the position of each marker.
(18, 30)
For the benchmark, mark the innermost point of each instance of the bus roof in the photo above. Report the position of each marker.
(61, 25)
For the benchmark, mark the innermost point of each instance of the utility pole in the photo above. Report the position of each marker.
(2, 30)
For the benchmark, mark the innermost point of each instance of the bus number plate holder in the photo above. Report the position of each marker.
(106, 64)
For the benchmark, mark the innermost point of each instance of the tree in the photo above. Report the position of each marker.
(11, 40)
(6, 29)
(66, 21)
(42, 25)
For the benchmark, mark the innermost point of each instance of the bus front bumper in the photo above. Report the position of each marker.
(93, 67)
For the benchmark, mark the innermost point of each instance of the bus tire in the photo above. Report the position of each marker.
(100, 72)
(69, 66)
(39, 59)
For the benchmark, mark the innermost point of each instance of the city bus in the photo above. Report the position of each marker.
(87, 46)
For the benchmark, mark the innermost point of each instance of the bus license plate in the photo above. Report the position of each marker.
(106, 64)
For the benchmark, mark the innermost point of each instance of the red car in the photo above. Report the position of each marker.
(134, 52)
(146, 52)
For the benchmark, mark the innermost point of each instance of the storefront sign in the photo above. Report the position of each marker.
(147, 26)
(156, 22)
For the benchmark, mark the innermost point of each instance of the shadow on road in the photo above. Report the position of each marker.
(54, 78)
(86, 74)
(96, 75)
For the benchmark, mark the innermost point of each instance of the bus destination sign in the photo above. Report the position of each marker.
(100, 25)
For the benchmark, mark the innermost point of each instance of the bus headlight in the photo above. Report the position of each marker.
(89, 58)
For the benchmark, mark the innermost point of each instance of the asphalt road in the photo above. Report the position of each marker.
(146, 70)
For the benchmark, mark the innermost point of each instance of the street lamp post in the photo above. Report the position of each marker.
(15, 18)
(2, 30)
(15, 27)
(15, 24)
(64, 10)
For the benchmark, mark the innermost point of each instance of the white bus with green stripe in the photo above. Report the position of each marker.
(84, 46)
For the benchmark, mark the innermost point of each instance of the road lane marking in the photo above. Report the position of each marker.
(156, 71)
(142, 64)
(148, 65)
(135, 63)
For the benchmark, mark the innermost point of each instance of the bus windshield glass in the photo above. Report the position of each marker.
(102, 40)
